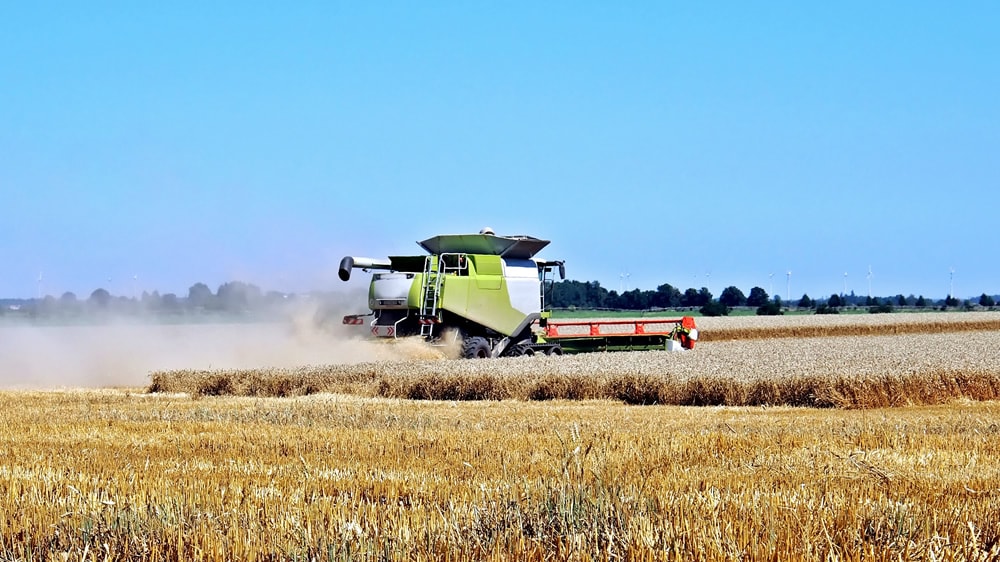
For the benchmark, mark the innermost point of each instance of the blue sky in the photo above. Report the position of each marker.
(691, 143)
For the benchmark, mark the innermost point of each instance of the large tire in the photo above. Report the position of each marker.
(554, 350)
(476, 348)
(520, 350)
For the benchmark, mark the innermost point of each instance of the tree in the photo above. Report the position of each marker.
(758, 297)
(732, 296)
(151, 301)
(880, 308)
(690, 297)
(635, 299)
(667, 296)
(614, 300)
(48, 306)
(849, 300)
(835, 301)
(714, 308)
(986, 300)
(100, 297)
(68, 303)
(566, 294)
(569, 294)
(200, 296)
(921, 302)
(594, 295)
(806, 302)
(704, 296)
(170, 303)
(770, 308)
(900, 300)
(237, 296)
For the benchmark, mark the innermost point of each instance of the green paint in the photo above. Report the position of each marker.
(480, 295)
(488, 272)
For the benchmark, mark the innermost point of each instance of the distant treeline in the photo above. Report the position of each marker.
(591, 295)
(237, 298)
(233, 298)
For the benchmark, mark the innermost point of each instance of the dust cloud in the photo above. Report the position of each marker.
(122, 352)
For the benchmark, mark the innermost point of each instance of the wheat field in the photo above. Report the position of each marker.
(724, 328)
(95, 475)
(889, 360)
(527, 458)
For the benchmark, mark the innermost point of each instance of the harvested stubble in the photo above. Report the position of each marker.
(845, 372)
(104, 475)
(713, 329)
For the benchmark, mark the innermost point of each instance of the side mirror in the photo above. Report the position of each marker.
(562, 270)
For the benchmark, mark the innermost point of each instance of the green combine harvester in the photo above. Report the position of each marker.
(489, 292)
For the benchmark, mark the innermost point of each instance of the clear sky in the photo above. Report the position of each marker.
(695, 143)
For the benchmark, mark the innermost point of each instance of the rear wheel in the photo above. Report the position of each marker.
(476, 348)
(554, 350)
(521, 350)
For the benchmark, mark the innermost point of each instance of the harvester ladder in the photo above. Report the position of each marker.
(430, 291)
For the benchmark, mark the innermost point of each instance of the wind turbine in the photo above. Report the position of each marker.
(770, 284)
(869, 281)
(951, 283)
(788, 287)
(39, 285)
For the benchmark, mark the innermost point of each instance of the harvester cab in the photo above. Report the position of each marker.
(487, 290)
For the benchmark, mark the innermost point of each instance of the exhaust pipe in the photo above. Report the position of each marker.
(350, 262)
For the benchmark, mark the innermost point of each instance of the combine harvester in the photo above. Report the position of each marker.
(489, 291)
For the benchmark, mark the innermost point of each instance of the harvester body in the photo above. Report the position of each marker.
(489, 291)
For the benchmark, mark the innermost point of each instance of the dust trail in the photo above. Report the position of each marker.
(123, 352)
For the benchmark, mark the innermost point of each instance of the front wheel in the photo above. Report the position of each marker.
(476, 348)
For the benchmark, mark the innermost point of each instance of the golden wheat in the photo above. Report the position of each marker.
(111, 475)
(171, 475)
